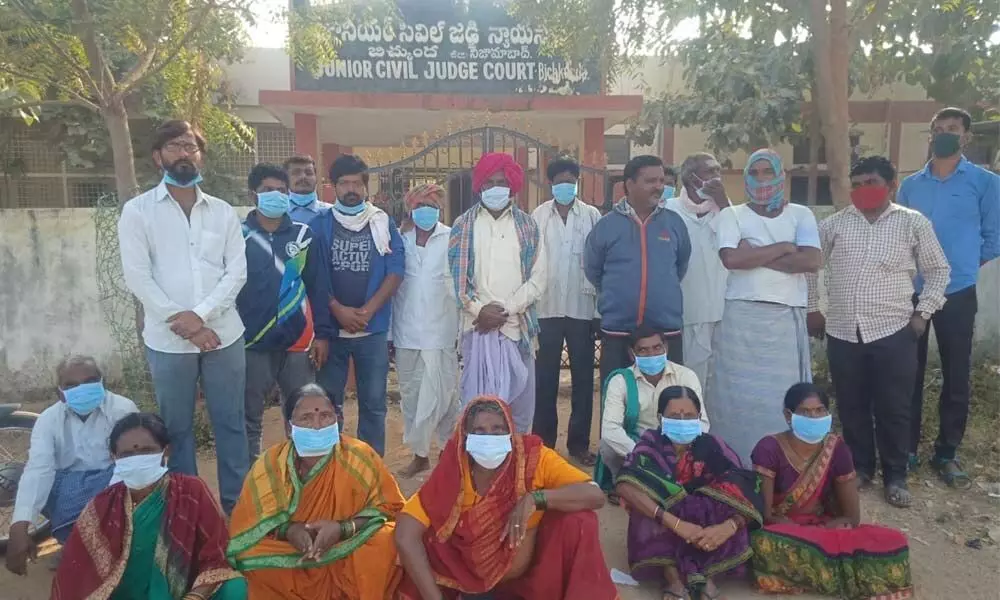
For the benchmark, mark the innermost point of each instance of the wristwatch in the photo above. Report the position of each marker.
(925, 315)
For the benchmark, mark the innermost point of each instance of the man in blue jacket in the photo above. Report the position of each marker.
(366, 269)
(284, 302)
(636, 256)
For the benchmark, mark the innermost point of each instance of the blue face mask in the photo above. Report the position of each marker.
(811, 430)
(425, 217)
(302, 200)
(680, 431)
(85, 398)
(272, 204)
(668, 193)
(651, 365)
(496, 198)
(489, 451)
(169, 180)
(564, 193)
(350, 210)
(315, 442)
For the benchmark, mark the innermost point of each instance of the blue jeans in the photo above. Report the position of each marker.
(222, 374)
(371, 369)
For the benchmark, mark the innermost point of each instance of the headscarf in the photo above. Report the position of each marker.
(493, 162)
(428, 193)
(769, 193)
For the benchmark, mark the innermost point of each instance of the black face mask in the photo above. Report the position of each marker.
(946, 144)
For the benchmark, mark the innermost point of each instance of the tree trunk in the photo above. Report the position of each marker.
(831, 42)
(815, 139)
(116, 119)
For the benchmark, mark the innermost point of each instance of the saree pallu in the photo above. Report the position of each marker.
(350, 482)
(172, 542)
(868, 562)
(705, 487)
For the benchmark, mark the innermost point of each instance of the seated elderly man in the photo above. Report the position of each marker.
(315, 518)
(630, 403)
(68, 461)
(504, 516)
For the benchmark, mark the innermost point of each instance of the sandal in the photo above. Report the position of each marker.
(898, 495)
(950, 471)
(668, 595)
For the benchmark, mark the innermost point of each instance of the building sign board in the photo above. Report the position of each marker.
(448, 47)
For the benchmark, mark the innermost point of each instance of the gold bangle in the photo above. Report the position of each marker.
(678, 523)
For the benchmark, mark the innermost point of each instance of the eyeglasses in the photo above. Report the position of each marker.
(181, 146)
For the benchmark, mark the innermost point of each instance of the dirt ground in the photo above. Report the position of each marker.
(941, 526)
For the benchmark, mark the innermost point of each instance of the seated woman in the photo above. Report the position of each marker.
(152, 536)
(811, 541)
(504, 515)
(314, 519)
(690, 503)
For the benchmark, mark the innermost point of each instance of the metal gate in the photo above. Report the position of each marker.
(449, 161)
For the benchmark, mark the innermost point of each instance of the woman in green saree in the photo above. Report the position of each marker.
(151, 536)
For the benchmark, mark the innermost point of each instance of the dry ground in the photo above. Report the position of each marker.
(939, 525)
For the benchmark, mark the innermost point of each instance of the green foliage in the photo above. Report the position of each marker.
(313, 38)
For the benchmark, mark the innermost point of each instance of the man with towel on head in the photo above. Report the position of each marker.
(498, 265)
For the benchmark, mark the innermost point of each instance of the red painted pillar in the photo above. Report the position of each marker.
(592, 186)
(306, 134)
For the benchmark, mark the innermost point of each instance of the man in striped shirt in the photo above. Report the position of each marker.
(873, 249)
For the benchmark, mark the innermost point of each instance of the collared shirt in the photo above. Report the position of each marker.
(304, 214)
(60, 439)
(424, 312)
(870, 269)
(568, 293)
(796, 224)
(175, 264)
(612, 425)
(964, 209)
(704, 284)
(497, 252)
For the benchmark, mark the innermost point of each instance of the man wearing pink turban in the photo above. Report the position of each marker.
(425, 329)
(498, 269)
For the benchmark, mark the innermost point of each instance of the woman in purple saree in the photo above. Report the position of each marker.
(691, 504)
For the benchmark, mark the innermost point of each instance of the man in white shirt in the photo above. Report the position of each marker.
(497, 259)
(68, 461)
(631, 399)
(425, 330)
(701, 198)
(768, 245)
(566, 312)
(184, 258)
(302, 189)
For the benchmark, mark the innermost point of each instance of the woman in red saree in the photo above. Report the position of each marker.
(152, 536)
(812, 540)
(502, 515)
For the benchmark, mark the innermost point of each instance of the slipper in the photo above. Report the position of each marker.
(668, 594)
(950, 471)
(897, 494)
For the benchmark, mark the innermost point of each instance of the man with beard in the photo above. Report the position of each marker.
(183, 257)
(366, 269)
(302, 191)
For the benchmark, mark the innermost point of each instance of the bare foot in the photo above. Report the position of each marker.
(712, 592)
(418, 465)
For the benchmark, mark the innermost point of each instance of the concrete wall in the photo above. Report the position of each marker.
(50, 305)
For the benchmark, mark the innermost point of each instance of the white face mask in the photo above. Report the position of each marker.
(489, 451)
(139, 471)
(496, 198)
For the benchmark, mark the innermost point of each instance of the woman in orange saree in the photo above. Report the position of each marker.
(504, 516)
(314, 520)
(812, 540)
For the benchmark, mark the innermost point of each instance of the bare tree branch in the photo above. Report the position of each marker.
(87, 31)
(52, 103)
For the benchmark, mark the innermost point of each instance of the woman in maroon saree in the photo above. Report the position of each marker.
(690, 503)
(812, 540)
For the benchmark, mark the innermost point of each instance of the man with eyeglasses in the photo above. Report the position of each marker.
(183, 257)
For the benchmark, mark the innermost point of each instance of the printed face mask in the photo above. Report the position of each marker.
(315, 442)
(811, 430)
(680, 431)
(140, 471)
(489, 451)
(273, 204)
(85, 398)
(564, 193)
(496, 198)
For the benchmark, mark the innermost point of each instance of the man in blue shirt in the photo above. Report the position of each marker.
(962, 201)
(283, 304)
(305, 204)
(366, 269)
